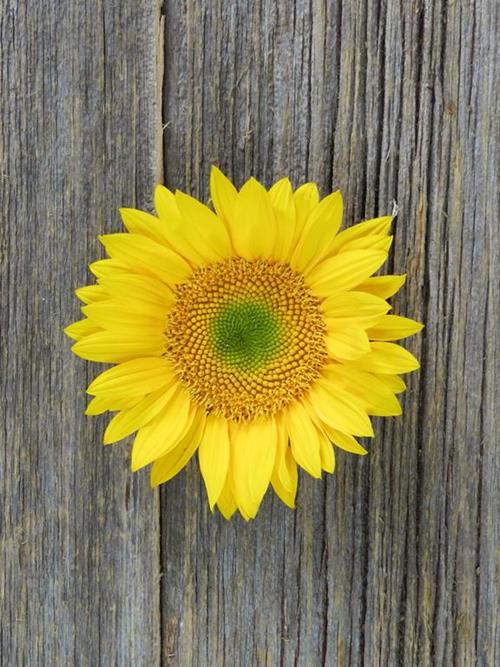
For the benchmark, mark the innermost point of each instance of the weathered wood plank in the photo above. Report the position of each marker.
(79, 137)
(391, 561)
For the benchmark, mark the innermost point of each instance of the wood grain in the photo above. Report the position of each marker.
(391, 560)
(80, 117)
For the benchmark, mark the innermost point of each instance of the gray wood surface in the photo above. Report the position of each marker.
(79, 136)
(392, 560)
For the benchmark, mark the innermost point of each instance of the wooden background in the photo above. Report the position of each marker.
(392, 560)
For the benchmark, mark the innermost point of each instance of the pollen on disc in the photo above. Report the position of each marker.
(246, 337)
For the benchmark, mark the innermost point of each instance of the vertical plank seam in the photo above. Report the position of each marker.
(324, 558)
(160, 80)
(421, 87)
(480, 484)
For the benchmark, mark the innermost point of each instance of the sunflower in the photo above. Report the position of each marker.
(254, 333)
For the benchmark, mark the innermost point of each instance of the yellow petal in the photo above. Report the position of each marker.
(147, 256)
(111, 347)
(246, 516)
(283, 464)
(368, 228)
(172, 228)
(382, 286)
(203, 229)
(304, 439)
(387, 358)
(382, 405)
(169, 465)
(281, 196)
(137, 377)
(128, 421)
(165, 205)
(316, 239)
(392, 382)
(91, 293)
(100, 404)
(377, 242)
(306, 198)
(165, 431)
(97, 406)
(343, 272)
(109, 267)
(139, 288)
(353, 310)
(394, 327)
(346, 442)
(145, 224)
(253, 228)
(223, 194)
(82, 328)
(213, 455)
(347, 343)
(338, 409)
(135, 307)
(364, 387)
(253, 451)
(226, 502)
(181, 240)
(147, 319)
(286, 493)
(326, 452)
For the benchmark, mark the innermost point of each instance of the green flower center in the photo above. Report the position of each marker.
(246, 334)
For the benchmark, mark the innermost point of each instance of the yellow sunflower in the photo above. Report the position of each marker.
(255, 335)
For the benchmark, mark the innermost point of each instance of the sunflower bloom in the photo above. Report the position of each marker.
(254, 334)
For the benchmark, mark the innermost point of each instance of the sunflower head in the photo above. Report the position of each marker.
(254, 333)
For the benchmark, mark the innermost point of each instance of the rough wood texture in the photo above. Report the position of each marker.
(391, 561)
(79, 551)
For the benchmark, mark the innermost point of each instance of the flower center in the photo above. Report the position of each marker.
(246, 337)
(246, 334)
